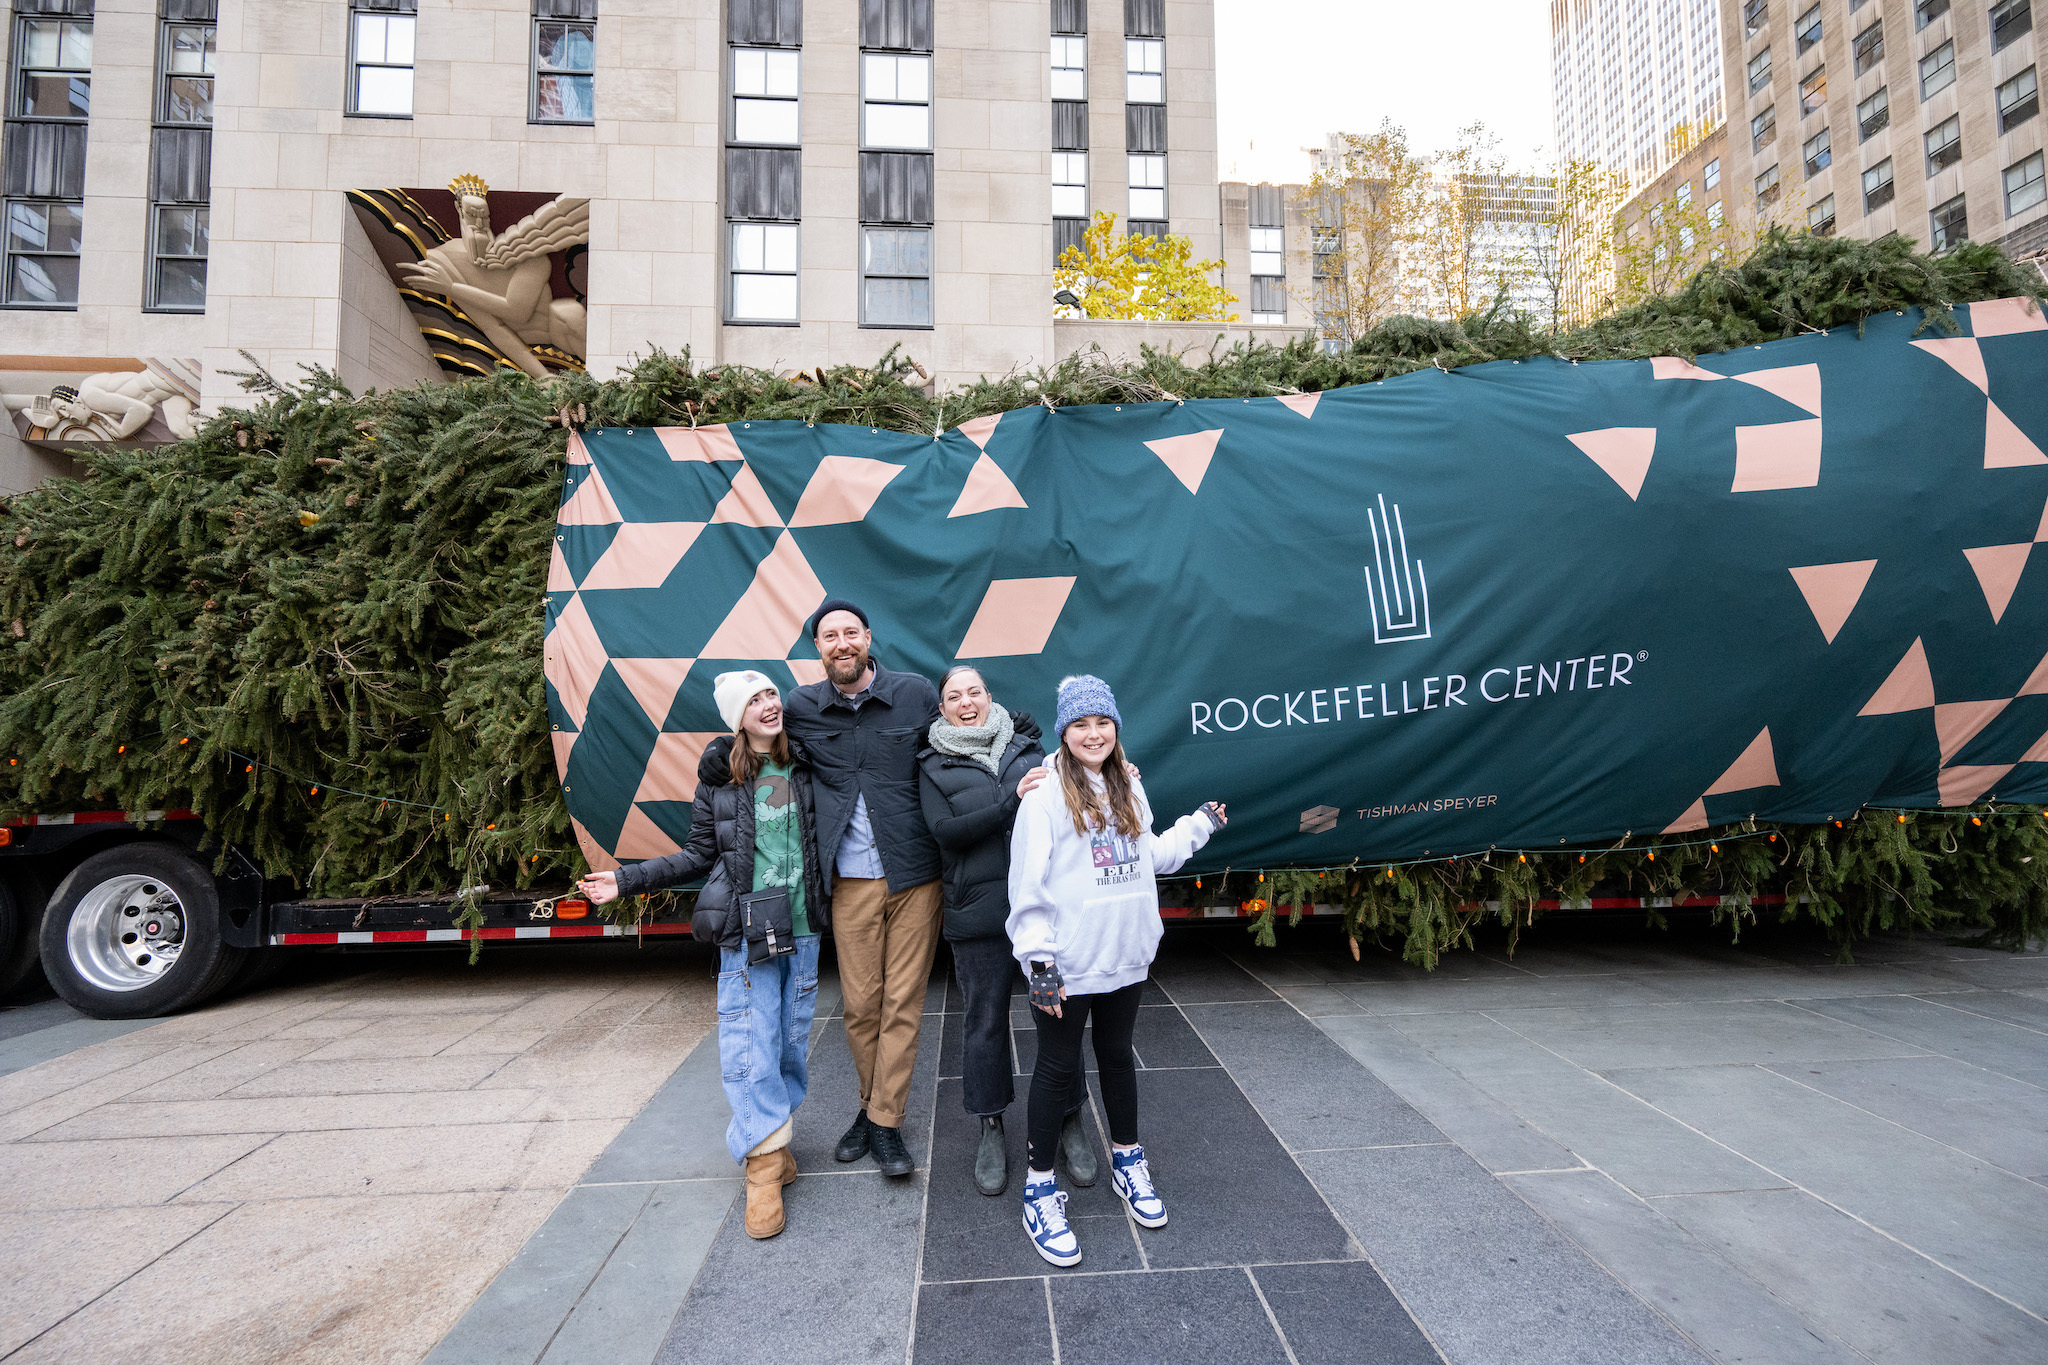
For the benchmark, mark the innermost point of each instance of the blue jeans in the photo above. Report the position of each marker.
(764, 1038)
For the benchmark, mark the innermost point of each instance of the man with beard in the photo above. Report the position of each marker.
(863, 727)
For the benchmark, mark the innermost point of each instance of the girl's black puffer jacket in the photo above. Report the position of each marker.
(721, 842)
(969, 811)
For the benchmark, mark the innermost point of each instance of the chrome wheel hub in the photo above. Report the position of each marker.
(126, 933)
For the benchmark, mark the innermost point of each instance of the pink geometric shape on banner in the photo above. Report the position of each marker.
(1798, 385)
(2003, 317)
(2037, 752)
(578, 452)
(747, 504)
(842, 489)
(806, 671)
(1956, 723)
(2041, 531)
(643, 554)
(1677, 367)
(1016, 616)
(979, 429)
(1187, 456)
(559, 579)
(640, 837)
(654, 683)
(1623, 452)
(699, 445)
(1303, 403)
(573, 659)
(1998, 572)
(1832, 591)
(1755, 768)
(2036, 684)
(564, 742)
(2005, 445)
(597, 855)
(1695, 816)
(1909, 688)
(988, 488)
(1961, 786)
(1781, 455)
(672, 768)
(591, 504)
(770, 615)
(1961, 355)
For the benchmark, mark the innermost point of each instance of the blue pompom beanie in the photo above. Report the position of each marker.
(1084, 694)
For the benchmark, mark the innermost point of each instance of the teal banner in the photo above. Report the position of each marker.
(1518, 605)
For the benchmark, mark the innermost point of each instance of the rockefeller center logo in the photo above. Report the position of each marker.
(1396, 594)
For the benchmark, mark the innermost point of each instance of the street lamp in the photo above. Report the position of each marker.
(1066, 299)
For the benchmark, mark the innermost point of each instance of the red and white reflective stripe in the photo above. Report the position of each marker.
(1597, 903)
(102, 817)
(461, 935)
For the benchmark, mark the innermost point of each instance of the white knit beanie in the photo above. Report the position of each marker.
(732, 692)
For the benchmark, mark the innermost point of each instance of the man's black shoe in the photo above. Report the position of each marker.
(1077, 1151)
(890, 1153)
(853, 1145)
(992, 1158)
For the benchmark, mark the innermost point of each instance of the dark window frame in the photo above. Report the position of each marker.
(1871, 121)
(1926, 12)
(1763, 129)
(1940, 156)
(1948, 49)
(570, 14)
(1813, 91)
(1948, 224)
(1760, 79)
(2039, 181)
(388, 9)
(1868, 47)
(1878, 193)
(930, 276)
(1817, 159)
(1806, 31)
(169, 138)
(2012, 114)
(63, 137)
(2010, 20)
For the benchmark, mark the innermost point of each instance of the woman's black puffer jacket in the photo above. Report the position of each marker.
(969, 811)
(722, 842)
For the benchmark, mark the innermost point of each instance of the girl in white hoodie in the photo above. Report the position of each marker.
(1084, 922)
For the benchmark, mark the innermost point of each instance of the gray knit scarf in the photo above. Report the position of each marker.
(982, 743)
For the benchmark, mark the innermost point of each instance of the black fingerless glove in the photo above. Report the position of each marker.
(1045, 985)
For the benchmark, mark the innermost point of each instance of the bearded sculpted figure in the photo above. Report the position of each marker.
(501, 281)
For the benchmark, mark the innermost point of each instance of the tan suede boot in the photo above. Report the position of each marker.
(765, 1179)
(788, 1165)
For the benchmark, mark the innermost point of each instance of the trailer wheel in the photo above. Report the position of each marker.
(134, 931)
(22, 898)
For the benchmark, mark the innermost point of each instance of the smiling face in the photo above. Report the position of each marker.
(1091, 739)
(965, 700)
(843, 644)
(761, 722)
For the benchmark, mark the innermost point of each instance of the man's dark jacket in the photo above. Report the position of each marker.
(871, 752)
(970, 811)
(722, 842)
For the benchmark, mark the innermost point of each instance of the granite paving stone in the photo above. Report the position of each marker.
(1213, 1316)
(2010, 1049)
(626, 1312)
(1992, 1117)
(1341, 1313)
(984, 1322)
(1695, 1034)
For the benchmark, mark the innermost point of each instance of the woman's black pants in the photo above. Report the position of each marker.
(1059, 1075)
(985, 972)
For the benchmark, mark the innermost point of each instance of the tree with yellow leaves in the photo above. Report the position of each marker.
(1121, 275)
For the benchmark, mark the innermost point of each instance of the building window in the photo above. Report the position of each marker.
(896, 277)
(1148, 186)
(1877, 186)
(1938, 69)
(2010, 19)
(1269, 301)
(1944, 143)
(1766, 185)
(181, 157)
(564, 61)
(2023, 185)
(1927, 11)
(1069, 67)
(1874, 114)
(380, 58)
(1070, 184)
(896, 101)
(1820, 217)
(2019, 99)
(1268, 255)
(1715, 217)
(1817, 154)
(1755, 14)
(1763, 129)
(1813, 91)
(1806, 32)
(1869, 47)
(1759, 71)
(45, 154)
(764, 272)
(1712, 176)
(767, 85)
(1947, 225)
(1684, 195)
(1144, 71)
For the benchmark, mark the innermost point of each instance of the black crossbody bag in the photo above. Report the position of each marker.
(767, 925)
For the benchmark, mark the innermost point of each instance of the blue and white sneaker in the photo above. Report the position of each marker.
(1131, 1178)
(1045, 1222)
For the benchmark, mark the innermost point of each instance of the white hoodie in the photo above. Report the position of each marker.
(1089, 902)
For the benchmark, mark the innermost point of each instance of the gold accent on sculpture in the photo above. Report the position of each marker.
(463, 185)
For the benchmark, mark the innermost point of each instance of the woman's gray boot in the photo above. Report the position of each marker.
(1076, 1150)
(992, 1158)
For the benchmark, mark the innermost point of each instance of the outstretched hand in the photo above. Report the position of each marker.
(600, 887)
(1216, 813)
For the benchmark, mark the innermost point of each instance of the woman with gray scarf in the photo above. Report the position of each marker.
(979, 763)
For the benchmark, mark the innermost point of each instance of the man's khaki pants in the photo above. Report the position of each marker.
(885, 945)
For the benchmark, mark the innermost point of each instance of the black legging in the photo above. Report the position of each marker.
(1058, 1073)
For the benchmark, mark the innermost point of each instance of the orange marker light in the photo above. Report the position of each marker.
(571, 909)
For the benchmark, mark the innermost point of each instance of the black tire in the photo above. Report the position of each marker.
(203, 963)
(22, 898)
(260, 967)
